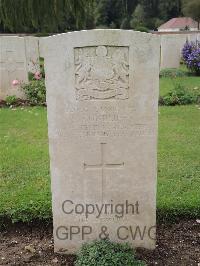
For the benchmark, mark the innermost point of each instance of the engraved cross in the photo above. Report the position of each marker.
(103, 166)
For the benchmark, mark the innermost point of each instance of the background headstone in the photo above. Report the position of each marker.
(171, 47)
(102, 98)
(13, 66)
(32, 53)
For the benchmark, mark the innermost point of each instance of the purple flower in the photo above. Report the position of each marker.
(191, 56)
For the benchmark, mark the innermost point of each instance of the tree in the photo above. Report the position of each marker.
(45, 15)
(109, 12)
(14, 16)
(169, 9)
(138, 16)
(114, 12)
(191, 8)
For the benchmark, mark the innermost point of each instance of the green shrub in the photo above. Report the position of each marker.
(141, 28)
(172, 73)
(10, 100)
(30, 76)
(179, 96)
(35, 92)
(106, 253)
(42, 67)
(43, 34)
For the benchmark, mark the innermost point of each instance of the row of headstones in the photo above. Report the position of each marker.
(20, 55)
(171, 48)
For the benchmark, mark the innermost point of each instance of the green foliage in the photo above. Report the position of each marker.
(108, 12)
(191, 8)
(10, 100)
(42, 71)
(148, 13)
(125, 24)
(138, 17)
(172, 73)
(14, 16)
(106, 253)
(30, 76)
(141, 28)
(179, 96)
(43, 16)
(62, 15)
(35, 92)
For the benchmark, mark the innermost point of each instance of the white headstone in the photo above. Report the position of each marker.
(102, 97)
(171, 47)
(13, 65)
(32, 53)
(193, 37)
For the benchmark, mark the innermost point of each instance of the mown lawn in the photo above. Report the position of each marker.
(24, 164)
(179, 161)
(24, 161)
(168, 84)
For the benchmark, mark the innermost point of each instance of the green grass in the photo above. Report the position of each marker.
(179, 161)
(24, 164)
(24, 160)
(168, 84)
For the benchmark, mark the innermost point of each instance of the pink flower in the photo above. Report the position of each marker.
(37, 75)
(15, 82)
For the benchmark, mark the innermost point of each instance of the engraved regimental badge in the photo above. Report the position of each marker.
(101, 73)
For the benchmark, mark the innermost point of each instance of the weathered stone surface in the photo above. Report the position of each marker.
(102, 97)
(13, 65)
(32, 53)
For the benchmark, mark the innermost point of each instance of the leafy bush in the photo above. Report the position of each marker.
(106, 253)
(172, 73)
(191, 56)
(30, 76)
(39, 73)
(35, 92)
(42, 34)
(141, 28)
(42, 67)
(179, 96)
(10, 100)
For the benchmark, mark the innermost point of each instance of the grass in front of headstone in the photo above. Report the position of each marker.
(167, 84)
(24, 163)
(178, 162)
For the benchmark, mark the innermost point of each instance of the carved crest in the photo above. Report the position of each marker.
(101, 73)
